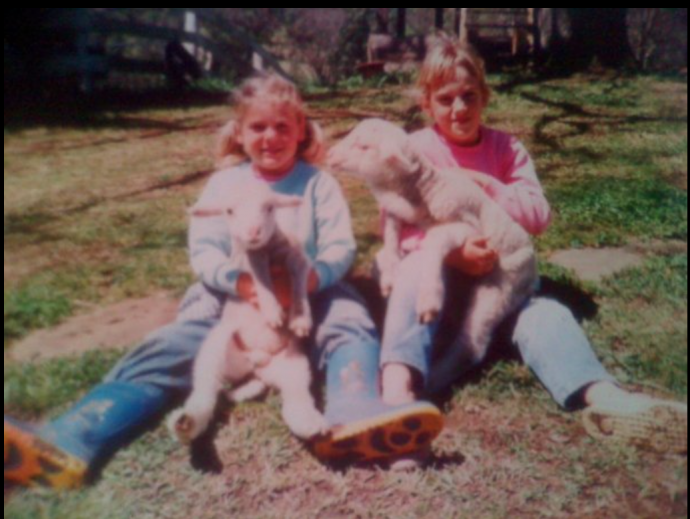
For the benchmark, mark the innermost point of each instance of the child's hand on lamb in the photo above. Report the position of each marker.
(475, 258)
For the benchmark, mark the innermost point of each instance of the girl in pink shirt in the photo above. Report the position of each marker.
(454, 94)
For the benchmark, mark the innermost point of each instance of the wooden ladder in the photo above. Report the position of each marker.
(512, 30)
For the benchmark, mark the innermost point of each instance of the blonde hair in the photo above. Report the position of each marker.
(267, 86)
(442, 62)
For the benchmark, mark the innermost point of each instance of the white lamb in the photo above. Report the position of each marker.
(256, 345)
(450, 207)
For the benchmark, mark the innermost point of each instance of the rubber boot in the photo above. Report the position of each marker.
(61, 453)
(363, 427)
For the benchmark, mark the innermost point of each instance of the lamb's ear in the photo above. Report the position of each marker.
(205, 212)
(401, 157)
(286, 200)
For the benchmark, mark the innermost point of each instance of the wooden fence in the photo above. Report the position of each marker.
(88, 47)
(85, 45)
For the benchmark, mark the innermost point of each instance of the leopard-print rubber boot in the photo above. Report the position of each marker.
(364, 429)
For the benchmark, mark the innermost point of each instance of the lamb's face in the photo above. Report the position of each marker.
(376, 151)
(250, 212)
(252, 222)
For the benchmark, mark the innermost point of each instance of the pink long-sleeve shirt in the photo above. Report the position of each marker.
(514, 184)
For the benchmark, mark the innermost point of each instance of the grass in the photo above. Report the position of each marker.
(31, 308)
(642, 327)
(609, 211)
(94, 213)
(32, 391)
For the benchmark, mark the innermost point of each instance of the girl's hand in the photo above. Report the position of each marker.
(282, 286)
(475, 258)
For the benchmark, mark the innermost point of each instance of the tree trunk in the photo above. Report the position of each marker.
(439, 18)
(402, 22)
(572, 38)
(383, 15)
(458, 21)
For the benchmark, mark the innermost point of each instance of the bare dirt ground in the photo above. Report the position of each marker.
(116, 326)
(128, 322)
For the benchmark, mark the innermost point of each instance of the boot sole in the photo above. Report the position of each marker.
(31, 462)
(661, 428)
(383, 437)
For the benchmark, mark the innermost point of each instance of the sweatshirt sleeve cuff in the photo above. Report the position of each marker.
(325, 275)
(226, 279)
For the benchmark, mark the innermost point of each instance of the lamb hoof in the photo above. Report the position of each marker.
(250, 391)
(301, 327)
(306, 423)
(276, 322)
(429, 304)
(274, 316)
(429, 317)
(183, 427)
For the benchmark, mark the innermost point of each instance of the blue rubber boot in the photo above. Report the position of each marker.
(363, 427)
(60, 454)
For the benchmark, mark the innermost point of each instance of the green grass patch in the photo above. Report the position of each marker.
(606, 211)
(642, 326)
(33, 307)
(34, 390)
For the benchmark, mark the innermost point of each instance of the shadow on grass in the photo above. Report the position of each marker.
(24, 223)
(581, 304)
(581, 128)
(503, 349)
(102, 110)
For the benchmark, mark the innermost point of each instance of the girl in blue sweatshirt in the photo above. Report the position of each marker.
(269, 139)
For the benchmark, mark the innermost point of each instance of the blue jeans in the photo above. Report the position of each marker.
(158, 374)
(546, 334)
(164, 360)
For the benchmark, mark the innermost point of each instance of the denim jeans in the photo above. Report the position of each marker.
(546, 335)
(164, 360)
(154, 377)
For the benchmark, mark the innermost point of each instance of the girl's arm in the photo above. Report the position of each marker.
(519, 191)
(336, 246)
(521, 196)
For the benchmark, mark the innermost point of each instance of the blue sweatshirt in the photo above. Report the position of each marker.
(322, 224)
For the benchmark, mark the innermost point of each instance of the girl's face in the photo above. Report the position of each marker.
(270, 134)
(457, 108)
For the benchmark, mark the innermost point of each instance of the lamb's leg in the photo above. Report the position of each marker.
(250, 391)
(269, 305)
(439, 242)
(209, 367)
(491, 302)
(259, 342)
(290, 373)
(300, 312)
(388, 259)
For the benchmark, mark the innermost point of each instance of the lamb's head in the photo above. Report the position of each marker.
(250, 212)
(376, 151)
